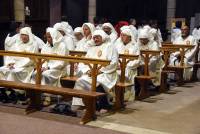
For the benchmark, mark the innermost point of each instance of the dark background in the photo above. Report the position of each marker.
(77, 12)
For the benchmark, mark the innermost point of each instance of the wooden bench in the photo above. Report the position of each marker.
(120, 86)
(124, 59)
(164, 73)
(89, 98)
(69, 81)
(36, 89)
(145, 78)
(167, 49)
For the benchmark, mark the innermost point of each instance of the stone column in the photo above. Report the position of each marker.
(91, 10)
(55, 11)
(19, 10)
(171, 10)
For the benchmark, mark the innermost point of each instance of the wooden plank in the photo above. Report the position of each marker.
(120, 86)
(147, 54)
(77, 53)
(56, 57)
(89, 98)
(49, 89)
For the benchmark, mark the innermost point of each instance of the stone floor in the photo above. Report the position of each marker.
(174, 112)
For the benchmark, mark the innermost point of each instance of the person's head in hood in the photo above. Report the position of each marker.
(60, 28)
(53, 36)
(108, 28)
(68, 28)
(144, 36)
(147, 27)
(99, 37)
(26, 35)
(132, 22)
(78, 33)
(88, 29)
(153, 34)
(127, 36)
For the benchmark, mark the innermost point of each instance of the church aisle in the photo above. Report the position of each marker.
(174, 112)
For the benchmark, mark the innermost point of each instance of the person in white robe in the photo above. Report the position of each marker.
(88, 30)
(107, 76)
(11, 37)
(175, 33)
(20, 69)
(68, 40)
(126, 45)
(53, 70)
(185, 39)
(154, 25)
(134, 37)
(78, 33)
(147, 27)
(132, 25)
(155, 36)
(87, 43)
(155, 63)
(196, 33)
(110, 30)
(68, 28)
(11, 40)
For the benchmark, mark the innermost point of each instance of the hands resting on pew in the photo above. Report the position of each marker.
(11, 66)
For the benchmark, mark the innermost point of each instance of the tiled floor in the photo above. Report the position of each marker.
(175, 112)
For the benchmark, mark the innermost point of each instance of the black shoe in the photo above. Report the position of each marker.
(3, 96)
(13, 97)
(63, 109)
(22, 99)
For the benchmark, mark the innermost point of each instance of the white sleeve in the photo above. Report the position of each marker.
(59, 64)
(189, 55)
(113, 57)
(70, 43)
(135, 63)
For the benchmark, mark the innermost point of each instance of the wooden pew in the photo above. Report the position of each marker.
(164, 73)
(145, 78)
(89, 98)
(69, 81)
(124, 59)
(196, 64)
(35, 90)
(167, 49)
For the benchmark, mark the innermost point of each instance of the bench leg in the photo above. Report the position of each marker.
(144, 93)
(119, 98)
(163, 84)
(35, 102)
(194, 73)
(90, 104)
(179, 77)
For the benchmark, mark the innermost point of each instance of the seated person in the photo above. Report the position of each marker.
(185, 39)
(53, 70)
(155, 62)
(20, 69)
(126, 45)
(107, 76)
